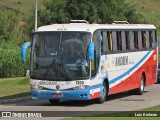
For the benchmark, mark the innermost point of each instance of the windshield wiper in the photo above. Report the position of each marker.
(67, 70)
(51, 67)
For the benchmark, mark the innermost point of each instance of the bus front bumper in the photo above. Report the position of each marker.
(62, 94)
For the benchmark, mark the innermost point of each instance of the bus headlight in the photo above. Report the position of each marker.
(81, 87)
(36, 87)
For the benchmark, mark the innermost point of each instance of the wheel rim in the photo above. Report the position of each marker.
(103, 92)
(142, 85)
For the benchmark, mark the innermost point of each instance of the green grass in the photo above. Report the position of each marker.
(12, 86)
(149, 9)
(23, 6)
(154, 108)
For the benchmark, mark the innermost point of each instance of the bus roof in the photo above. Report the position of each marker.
(92, 27)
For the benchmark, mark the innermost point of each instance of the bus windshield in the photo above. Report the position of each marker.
(60, 56)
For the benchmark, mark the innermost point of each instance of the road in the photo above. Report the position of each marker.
(118, 102)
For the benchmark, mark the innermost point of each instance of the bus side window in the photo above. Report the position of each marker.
(154, 43)
(95, 63)
(139, 40)
(101, 40)
(135, 39)
(147, 39)
(114, 38)
(105, 41)
(123, 40)
(150, 39)
(131, 37)
(110, 41)
(143, 39)
(119, 40)
(127, 40)
(155, 33)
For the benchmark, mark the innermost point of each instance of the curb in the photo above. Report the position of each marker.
(14, 100)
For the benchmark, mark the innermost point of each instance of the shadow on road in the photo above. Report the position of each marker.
(157, 83)
(15, 96)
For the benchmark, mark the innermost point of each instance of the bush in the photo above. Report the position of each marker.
(10, 63)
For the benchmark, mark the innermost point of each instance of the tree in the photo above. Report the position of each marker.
(100, 11)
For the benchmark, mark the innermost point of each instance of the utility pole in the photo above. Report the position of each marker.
(35, 17)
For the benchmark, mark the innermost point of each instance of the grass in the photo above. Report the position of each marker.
(149, 9)
(154, 108)
(12, 86)
(23, 6)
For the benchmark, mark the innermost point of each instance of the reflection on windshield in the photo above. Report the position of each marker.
(60, 56)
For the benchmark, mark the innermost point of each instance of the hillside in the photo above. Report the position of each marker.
(149, 9)
(17, 19)
(24, 6)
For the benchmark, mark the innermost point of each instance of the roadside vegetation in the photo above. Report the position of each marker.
(17, 23)
(14, 86)
(149, 9)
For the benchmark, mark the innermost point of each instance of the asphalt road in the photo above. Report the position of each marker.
(118, 102)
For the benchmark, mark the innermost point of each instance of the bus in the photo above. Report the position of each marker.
(82, 61)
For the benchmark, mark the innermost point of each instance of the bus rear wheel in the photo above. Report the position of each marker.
(140, 90)
(52, 101)
(102, 98)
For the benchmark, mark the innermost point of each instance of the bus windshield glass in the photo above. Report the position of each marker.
(60, 56)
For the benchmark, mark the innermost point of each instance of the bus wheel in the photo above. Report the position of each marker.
(52, 101)
(140, 90)
(102, 98)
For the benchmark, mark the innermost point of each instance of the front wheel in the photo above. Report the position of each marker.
(103, 96)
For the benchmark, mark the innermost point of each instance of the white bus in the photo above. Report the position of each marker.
(82, 61)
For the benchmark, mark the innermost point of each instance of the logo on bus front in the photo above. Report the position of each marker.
(48, 83)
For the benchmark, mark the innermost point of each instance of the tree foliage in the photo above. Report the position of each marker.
(8, 20)
(94, 11)
(10, 63)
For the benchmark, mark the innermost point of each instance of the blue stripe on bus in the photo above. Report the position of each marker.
(95, 86)
(130, 70)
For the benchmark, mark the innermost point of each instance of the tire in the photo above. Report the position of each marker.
(102, 98)
(140, 90)
(52, 101)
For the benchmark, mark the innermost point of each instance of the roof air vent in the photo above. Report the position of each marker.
(78, 21)
(120, 22)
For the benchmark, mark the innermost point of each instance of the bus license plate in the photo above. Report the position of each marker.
(57, 95)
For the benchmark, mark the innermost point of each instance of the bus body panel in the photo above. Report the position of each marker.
(123, 77)
(133, 81)
(122, 70)
(66, 89)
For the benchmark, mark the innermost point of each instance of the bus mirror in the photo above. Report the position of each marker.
(91, 51)
(24, 50)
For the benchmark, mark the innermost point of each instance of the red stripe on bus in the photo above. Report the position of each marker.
(95, 95)
(133, 81)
